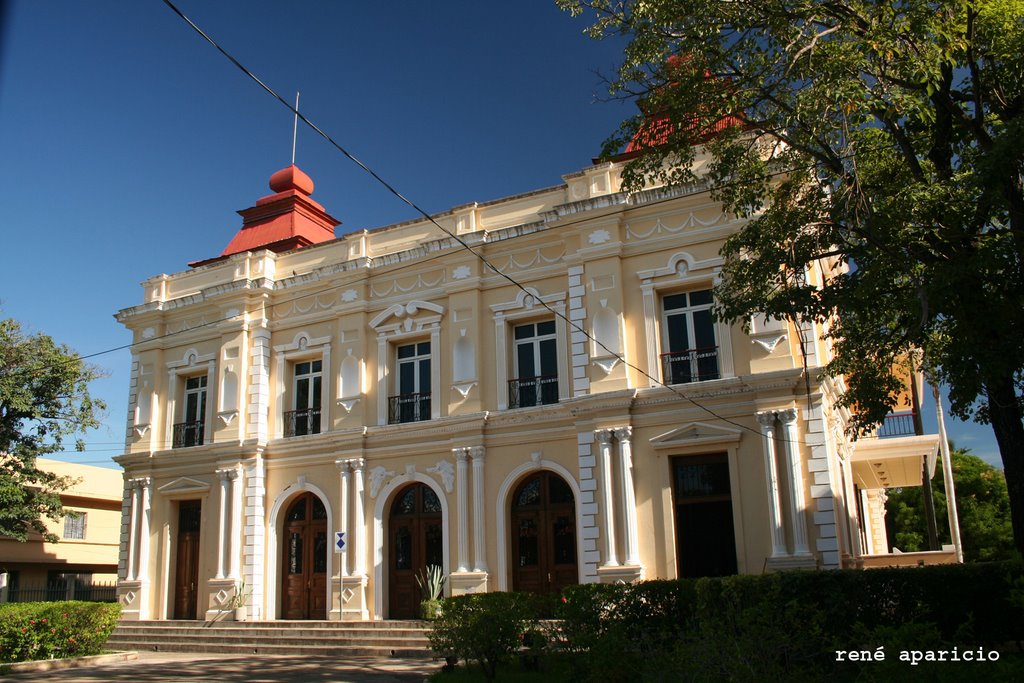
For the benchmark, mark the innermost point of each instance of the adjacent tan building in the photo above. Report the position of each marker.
(549, 402)
(87, 552)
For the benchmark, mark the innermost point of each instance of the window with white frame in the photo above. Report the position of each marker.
(411, 400)
(307, 385)
(689, 349)
(190, 431)
(535, 371)
(74, 525)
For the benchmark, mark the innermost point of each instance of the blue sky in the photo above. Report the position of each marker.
(127, 142)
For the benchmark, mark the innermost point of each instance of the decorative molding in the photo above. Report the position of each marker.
(347, 403)
(377, 476)
(464, 388)
(420, 283)
(696, 433)
(691, 222)
(184, 485)
(227, 416)
(402, 310)
(141, 429)
(768, 343)
(446, 471)
(606, 364)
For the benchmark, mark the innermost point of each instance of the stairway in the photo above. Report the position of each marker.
(329, 638)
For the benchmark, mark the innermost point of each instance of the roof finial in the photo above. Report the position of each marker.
(295, 126)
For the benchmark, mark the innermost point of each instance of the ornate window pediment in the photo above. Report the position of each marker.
(697, 434)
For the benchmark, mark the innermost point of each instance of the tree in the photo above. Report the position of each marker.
(44, 399)
(876, 148)
(982, 504)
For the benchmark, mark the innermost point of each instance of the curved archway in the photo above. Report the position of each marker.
(543, 530)
(415, 538)
(304, 559)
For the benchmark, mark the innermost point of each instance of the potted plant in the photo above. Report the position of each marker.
(431, 582)
(237, 601)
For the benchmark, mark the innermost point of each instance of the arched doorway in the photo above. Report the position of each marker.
(415, 540)
(304, 560)
(543, 535)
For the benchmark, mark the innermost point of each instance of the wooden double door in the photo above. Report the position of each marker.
(304, 560)
(416, 541)
(186, 565)
(543, 535)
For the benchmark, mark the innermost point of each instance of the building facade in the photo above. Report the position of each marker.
(86, 555)
(313, 420)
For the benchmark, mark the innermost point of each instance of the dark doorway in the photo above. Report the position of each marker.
(186, 571)
(705, 537)
(304, 570)
(543, 535)
(416, 540)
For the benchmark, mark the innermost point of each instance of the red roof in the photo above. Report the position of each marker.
(287, 219)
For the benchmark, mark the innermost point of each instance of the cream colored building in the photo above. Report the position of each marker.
(321, 418)
(87, 551)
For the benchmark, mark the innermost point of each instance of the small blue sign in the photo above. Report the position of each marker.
(339, 541)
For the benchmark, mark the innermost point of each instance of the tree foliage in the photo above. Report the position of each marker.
(876, 148)
(44, 399)
(982, 505)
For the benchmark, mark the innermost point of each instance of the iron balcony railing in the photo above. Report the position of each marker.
(187, 434)
(895, 424)
(524, 392)
(302, 422)
(690, 365)
(408, 408)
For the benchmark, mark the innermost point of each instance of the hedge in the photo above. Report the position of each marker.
(55, 630)
(781, 626)
(789, 625)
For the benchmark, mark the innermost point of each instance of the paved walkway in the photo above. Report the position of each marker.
(172, 667)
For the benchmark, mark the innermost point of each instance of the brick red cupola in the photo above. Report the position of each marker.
(287, 219)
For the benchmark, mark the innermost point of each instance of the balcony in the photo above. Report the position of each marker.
(302, 422)
(690, 365)
(895, 425)
(187, 434)
(532, 391)
(408, 408)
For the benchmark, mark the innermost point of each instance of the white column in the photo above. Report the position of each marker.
(358, 523)
(479, 548)
(172, 394)
(947, 475)
(604, 442)
(382, 379)
(797, 504)
(462, 495)
(767, 422)
(211, 385)
(235, 536)
(325, 390)
(143, 558)
(651, 331)
(501, 369)
(280, 369)
(222, 529)
(435, 372)
(629, 530)
(343, 470)
(133, 530)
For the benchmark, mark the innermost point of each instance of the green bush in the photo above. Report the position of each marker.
(788, 625)
(55, 630)
(486, 628)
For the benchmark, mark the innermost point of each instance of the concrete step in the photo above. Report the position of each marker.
(362, 633)
(328, 638)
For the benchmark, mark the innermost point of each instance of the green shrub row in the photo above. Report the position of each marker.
(782, 626)
(55, 630)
